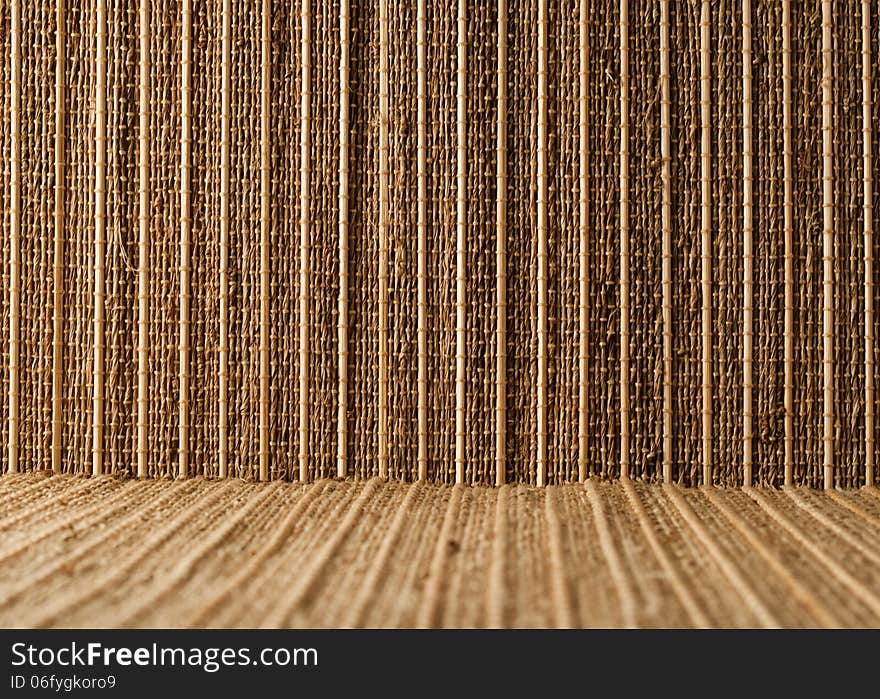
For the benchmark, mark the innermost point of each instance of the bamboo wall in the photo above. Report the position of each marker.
(520, 241)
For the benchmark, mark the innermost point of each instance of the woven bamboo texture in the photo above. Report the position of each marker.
(524, 241)
(111, 552)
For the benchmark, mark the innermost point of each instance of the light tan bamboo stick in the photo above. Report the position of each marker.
(100, 236)
(868, 215)
(342, 328)
(788, 225)
(422, 225)
(827, 246)
(501, 254)
(706, 236)
(143, 292)
(624, 240)
(384, 205)
(223, 358)
(748, 243)
(14, 233)
(461, 238)
(666, 225)
(58, 267)
(541, 460)
(265, 108)
(583, 235)
(185, 238)
(304, 246)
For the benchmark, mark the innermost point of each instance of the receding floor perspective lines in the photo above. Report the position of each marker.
(111, 552)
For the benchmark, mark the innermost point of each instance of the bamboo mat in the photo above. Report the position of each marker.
(522, 241)
(110, 552)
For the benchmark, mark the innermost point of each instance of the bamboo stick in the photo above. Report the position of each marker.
(501, 254)
(868, 216)
(461, 243)
(342, 412)
(666, 226)
(265, 136)
(304, 247)
(183, 446)
(100, 213)
(788, 225)
(706, 237)
(14, 233)
(223, 356)
(624, 241)
(383, 237)
(143, 292)
(583, 235)
(422, 225)
(827, 247)
(58, 265)
(748, 244)
(541, 460)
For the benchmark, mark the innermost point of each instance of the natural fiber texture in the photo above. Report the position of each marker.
(111, 552)
(522, 241)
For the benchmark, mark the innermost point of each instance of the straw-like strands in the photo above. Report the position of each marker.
(560, 244)
(391, 554)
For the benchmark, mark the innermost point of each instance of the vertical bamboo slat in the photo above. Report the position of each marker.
(265, 77)
(183, 446)
(541, 459)
(342, 330)
(14, 233)
(706, 237)
(223, 340)
(583, 235)
(666, 226)
(304, 290)
(384, 205)
(461, 238)
(827, 248)
(788, 226)
(422, 225)
(100, 214)
(868, 209)
(58, 263)
(501, 253)
(748, 242)
(624, 242)
(143, 291)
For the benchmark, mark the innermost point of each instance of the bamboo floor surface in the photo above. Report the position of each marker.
(105, 552)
